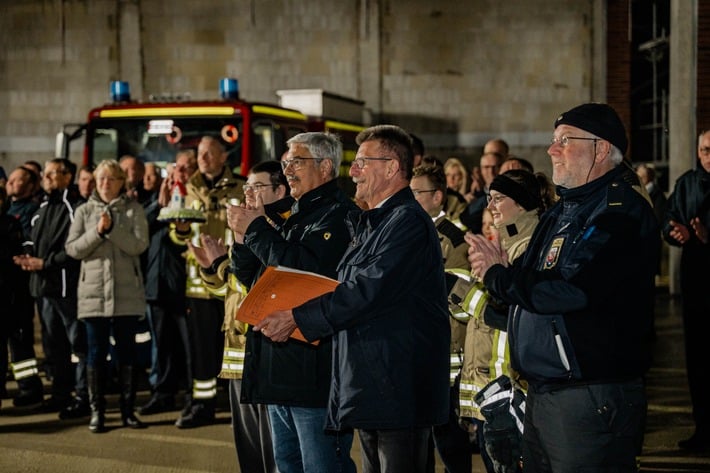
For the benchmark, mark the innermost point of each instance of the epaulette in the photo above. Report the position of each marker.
(615, 194)
(615, 191)
(451, 231)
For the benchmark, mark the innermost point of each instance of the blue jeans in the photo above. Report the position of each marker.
(98, 330)
(302, 446)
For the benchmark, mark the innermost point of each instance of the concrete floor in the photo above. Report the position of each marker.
(41, 443)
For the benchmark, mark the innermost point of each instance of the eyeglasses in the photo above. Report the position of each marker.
(296, 162)
(54, 173)
(254, 187)
(496, 199)
(416, 192)
(564, 141)
(362, 162)
(704, 150)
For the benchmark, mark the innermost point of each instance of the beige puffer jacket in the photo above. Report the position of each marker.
(110, 281)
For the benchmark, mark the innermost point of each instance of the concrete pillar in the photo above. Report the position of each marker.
(370, 67)
(682, 148)
(599, 56)
(130, 47)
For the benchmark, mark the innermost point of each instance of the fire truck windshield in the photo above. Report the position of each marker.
(157, 140)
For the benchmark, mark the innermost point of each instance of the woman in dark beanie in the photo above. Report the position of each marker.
(516, 199)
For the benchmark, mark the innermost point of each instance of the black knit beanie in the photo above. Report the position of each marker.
(598, 119)
(521, 186)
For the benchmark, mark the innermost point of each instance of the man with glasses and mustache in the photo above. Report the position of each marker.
(291, 377)
(580, 326)
(388, 317)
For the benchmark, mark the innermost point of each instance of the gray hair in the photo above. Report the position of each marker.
(321, 145)
(615, 155)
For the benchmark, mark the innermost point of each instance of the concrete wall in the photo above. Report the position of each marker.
(456, 72)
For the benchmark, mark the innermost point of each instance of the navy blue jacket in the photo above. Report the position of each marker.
(583, 292)
(389, 320)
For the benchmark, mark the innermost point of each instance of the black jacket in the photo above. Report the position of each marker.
(50, 225)
(690, 199)
(313, 238)
(583, 291)
(10, 273)
(164, 264)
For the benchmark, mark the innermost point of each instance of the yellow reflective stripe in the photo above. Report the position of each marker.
(499, 360)
(202, 389)
(219, 291)
(24, 368)
(461, 316)
(168, 111)
(330, 124)
(455, 360)
(475, 300)
(459, 273)
(233, 354)
(235, 285)
(143, 337)
(278, 112)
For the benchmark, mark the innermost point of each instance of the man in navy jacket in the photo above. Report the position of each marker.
(580, 328)
(388, 317)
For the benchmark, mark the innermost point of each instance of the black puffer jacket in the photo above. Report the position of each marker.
(313, 238)
(50, 225)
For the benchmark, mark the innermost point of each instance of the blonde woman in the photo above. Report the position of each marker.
(456, 175)
(108, 235)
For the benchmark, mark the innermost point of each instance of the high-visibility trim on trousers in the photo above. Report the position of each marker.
(204, 389)
(24, 368)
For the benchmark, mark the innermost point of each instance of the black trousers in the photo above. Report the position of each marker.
(65, 335)
(204, 322)
(17, 332)
(172, 363)
(594, 427)
(394, 451)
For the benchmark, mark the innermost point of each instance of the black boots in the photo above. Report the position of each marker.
(128, 398)
(97, 402)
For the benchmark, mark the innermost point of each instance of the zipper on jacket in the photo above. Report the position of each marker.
(561, 349)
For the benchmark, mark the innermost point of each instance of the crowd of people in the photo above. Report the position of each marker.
(493, 311)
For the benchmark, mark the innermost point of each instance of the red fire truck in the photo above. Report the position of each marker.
(252, 131)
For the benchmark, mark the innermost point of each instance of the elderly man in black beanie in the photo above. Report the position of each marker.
(581, 319)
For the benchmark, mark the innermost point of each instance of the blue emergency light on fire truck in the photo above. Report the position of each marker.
(252, 132)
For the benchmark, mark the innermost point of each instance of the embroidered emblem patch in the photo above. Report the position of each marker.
(327, 235)
(554, 253)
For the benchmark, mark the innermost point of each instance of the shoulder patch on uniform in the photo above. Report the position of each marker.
(554, 252)
(451, 231)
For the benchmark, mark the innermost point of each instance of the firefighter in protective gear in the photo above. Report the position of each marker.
(250, 424)
(428, 185)
(209, 190)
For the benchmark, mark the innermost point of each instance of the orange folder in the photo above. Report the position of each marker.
(282, 288)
